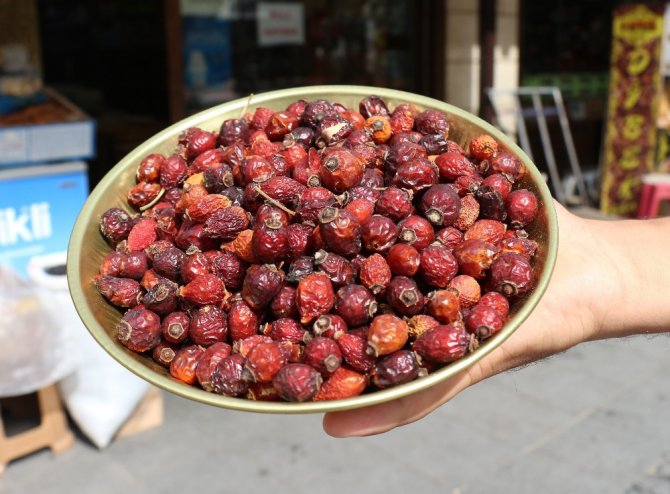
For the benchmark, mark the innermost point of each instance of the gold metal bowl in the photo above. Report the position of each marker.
(87, 247)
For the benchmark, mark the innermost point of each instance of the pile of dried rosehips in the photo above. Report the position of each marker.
(318, 252)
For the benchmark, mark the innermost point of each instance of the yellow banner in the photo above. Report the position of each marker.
(631, 134)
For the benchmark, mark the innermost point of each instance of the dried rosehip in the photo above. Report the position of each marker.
(432, 122)
(379, 233)
(133, 265)
(241, 246)
(419, 324)
(404, 297)
(150, 278)
(142, 235)
(260, 118)
(173, 172)
(280, 124)
(164, 354)
(183, 367)
(397, 368)
(297, 382)
(521, 206)
(443, 344)
(340, 231)
(372, 105)
(209, 362)
(507, 164)
(149, 168)
(467, 288)
(122, 292)
(475, 257)
(387, 334)
(364, 192)
(483, 321)
(343, 383)
(394, 203)
(205, 206)
(174, 327)
(496, 301)
(301, 267)
(111, 264)
(209, 324)
(331, 130)
(483, 147)
(435, 143)
(161, 298)
(168, 262)
(467, 184)
(283, 305)
(115, 225)
(323, 354)
(491, 231)
(375, 274)
(230, 269)
(314, 297)
(340, 169)
(203, 290)
(286, 329)
(403, 260)
(524, 246)
(244, 346)
(270, 241)
(263, 361)
(440, 204)
(468, 214)
(355, 304)
(450, 237)
(301, 136)
(499, 183)
(233, 129)
(416, 231)
(242, 321)
(452, 165)
(329, 326)
(444, 305)
(228, 378)
(139, 330)
(299, 240)
(354, 353)
(362, 209)
(143, 194)
(438, 265)
(511, 274)
(315, 111)
(226, 223)
(416, 175)
(261, 284)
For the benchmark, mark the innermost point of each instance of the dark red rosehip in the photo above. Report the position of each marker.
(174, 326)
(521, 206)
(450, 237)
(164, 353)
(404, 296)
(505, 163)
(475, 257)
(395, 203)
(283, 305)
(452, 165)
(375, 274)
(142, 194)
(299, 240)
(139, 330)
(209, 362)
(511, 274)
(499, 183)
(315, 111)
(280, 124)
(323, 354)
(491, 204)
(233, 129)
(372, 105)
(286, 329)
(330, 326)
(355, 304)
(256, 169)
(196, 141)
(483, 321)
(168, 262)
(340, 231)
(231, 269)
(432, 122)
(440, 204)
(228, 378)
(209, 324)
(524, 246)
(133, 265)
(416, 175)
(331, 130)
(204, 290)
(297, 382)
(354, 352)
(115, 225)
(496, 301)
(161, 298)
(379, 233)
(270, 241)
(261, 284)
(397, 368)
(403, 260)
(443, 344)
(300, 136)
(111, 264)
(149, 168)
(416, 231)
(301, 267)
(438, 265)
(174, 171)
(121, 292)
(364, 192)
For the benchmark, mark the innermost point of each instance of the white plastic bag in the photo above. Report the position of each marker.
(35, 349)
(99, 393)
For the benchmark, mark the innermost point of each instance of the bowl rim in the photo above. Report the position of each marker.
(242, 404)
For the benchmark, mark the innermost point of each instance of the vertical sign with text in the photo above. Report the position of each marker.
(630, 140)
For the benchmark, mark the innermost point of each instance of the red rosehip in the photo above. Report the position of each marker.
(394, 203)
(512, 274)
(438, 265)
(379, 233)
(399, 367)
(314, 297)
(404, 296)
(355, 304)
(403, 260)
(340, 231)
(340, 169)
(483, 321)
(443, 344)
(297, 382)
(416, 231)
(475, 257)
(440, 204)
(496, 301)
(521, 206)
(139, 330)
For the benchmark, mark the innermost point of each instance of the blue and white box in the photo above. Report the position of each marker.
(38, 209)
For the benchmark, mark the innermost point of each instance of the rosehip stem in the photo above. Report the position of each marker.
(272, 201)
(246, 105)
(155, 201)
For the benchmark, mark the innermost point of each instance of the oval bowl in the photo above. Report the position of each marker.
(87, 246)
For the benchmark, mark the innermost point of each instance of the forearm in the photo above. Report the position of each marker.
(636, 290)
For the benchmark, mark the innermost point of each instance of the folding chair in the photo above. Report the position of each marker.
(534, 106)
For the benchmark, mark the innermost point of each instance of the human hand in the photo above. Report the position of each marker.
(587, 279)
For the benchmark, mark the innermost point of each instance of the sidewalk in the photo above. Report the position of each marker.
(592, 420)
